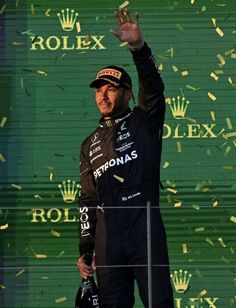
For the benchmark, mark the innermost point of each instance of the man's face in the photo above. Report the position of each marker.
(112, 101)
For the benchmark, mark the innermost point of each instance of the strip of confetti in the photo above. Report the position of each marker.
(214, 22)
(229, 124)
(2, 158)
(213, 115)
(192, 1)
(2, 286)
(209, 241)
(219, 31)
(4, 119)
(55, 233)
(179, 147)
(166, 165)
(78, 27)
(51, 176)
(123, 44)
(233, 56)
(160, 67)
(4, 227)
(196, 207)
(40, 256)
(179, 27)
(185, 73)
(233, 219)
(221, 241)
(3, 8)
(32, 8)
(47, 12)
(124, 4)
(42, 73)
(20, 272)
(16, 186)
(227, 150)
(175, 68)
(174, 191)
(17, 43)
(38, 197)
(178, 204)
(200, 229)
(229, 52)
(229, 135)
(61, 254)
(60, 299)
(211, 96)
(192, 87)
(202, 293)
(214, 76)
(184, 248)
(120, 179)
(221, 59)
(215, 203)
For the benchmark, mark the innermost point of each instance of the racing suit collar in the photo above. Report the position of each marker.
(113, 121)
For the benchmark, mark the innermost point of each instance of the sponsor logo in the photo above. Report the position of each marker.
(94, 150)
(68, 22)
(94, 138)
(125, 146)
(84, 222)
(69, 190)
(181, 280)
(122, 136)
(122, 127)
(115, 162)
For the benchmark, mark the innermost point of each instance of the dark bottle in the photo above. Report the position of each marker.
(87, 295)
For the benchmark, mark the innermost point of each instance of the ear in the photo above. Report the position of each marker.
(128, 95)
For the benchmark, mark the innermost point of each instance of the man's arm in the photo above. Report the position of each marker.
(151, 87)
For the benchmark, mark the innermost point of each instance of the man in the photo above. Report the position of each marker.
(120, 172)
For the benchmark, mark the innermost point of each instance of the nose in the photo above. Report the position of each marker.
(104, 94)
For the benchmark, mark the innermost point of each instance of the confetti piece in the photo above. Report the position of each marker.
(211, 96)
(40, 256)
(229, 52)
(192, 88)
(78, 27)
(175, 68)
(16, 186)
(120, 179)
(32, 8)
(61, 254)
(3, 8)
(38, 197)
(185, 248)
(214, 22)
(214, 76)
(179, 27)
(228, 135)
(20, 272)
(196, 207)
(166, 165)
(202, 293)
(17, 43)
(160, 67)
(228, 167)
(17, 2)
(184, 73)
(215, 203)
(221, 241)
(203, 8)
(55, 233)
(200, 229)
(192, 1)
(219, 31)
(233, 56)
(213, 115)
(4, 119)
(174, 191)
(221, 59)
(124, 4)
(60, 299)
(178, 204)
(171, 51)
(230, 80)
(233, 219)
(209, 241)
(2, 286)
(179, 148)
(227, 150)
(47, 12)
(4, 227)
(229, 124)
(42, 73)
(44, 277)
(51, 176)
(22, 83)
(123, 44)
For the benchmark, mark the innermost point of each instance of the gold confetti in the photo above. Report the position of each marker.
(219, 31)
(38, 197)
(55, 233)
(230, 80)
(60, 299)
(202, 293)
(233, 219)
(4, 227)
(196, 207)
(4, 119)
(123, 44)
(227, 150)
(184, 73)
(211, 96)
(166, 165)
(214, 76)
(233, 56)
(228, 135)
(221, 241)
(40, 256)
(215, 203)
(214, 22)
(213, 115)
(42, 72)
(191, 87)
(124, 4)
(179, 147)
(160, 67)
(51, 176)
(219, 72)
(229, 124)
(221, 59)
(118, 178)
(200, 229)
(192, 1)
(229, 52)
(20, 272)
(174, 191)
(2, 286)
(16, 186)
(228, 168)
(17, 43)
(179, 27)
(3, 8)
(175, 68)
(209, 241)
(47, 12)
(178, 204)
(185, 248)
(32, 8)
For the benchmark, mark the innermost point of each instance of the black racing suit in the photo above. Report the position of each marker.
(120, 172)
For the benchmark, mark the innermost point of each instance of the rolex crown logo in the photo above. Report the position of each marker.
(178, 107)
(181, 280)
(67, 19)
(69, 190)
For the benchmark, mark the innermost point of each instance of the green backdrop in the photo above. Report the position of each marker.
(47, 109)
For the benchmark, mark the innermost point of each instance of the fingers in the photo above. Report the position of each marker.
(85, 270)
(123, 16)
(136, 18)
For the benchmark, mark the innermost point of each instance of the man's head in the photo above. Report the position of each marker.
(113, 90)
